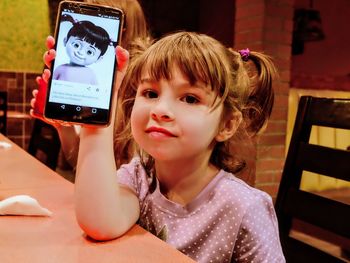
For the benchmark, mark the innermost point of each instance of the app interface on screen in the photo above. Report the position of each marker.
(83, 70)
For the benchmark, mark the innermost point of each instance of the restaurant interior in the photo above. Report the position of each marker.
(307, 39)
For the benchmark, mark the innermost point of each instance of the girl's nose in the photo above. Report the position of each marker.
(80, 51)
(162, 111)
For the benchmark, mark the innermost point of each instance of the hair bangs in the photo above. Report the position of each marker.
(194, 58)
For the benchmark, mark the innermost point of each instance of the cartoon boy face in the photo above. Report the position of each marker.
(81, 52)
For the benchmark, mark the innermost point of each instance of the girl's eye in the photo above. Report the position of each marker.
(150, 94)
(76, 45)
(190, 99)
(90, 52)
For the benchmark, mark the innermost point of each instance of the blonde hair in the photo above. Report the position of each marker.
(238, 86)
(135, 25)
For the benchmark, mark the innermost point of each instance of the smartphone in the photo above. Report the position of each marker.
(80, 88)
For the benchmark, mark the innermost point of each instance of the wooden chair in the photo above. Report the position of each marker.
(3, 112)
(295, 206)
(45, 144)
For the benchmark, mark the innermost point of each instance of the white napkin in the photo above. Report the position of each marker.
(22, 205)
(5, 145)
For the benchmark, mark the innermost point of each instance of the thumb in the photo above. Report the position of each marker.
(122, 59)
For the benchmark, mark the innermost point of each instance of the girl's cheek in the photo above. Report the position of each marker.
(138, 113)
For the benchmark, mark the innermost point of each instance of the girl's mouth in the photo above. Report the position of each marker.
(160, 131)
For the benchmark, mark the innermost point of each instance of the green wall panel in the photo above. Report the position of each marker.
(24, 26)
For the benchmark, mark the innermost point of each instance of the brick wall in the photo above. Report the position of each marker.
(317, 81)
(19, 87)
(266, 25)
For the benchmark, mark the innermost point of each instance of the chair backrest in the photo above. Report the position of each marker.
(294, 205)
(3, 112)
(44, 143)
(326, 136)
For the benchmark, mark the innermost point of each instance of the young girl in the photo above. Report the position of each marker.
(184, 101)
(85, 44)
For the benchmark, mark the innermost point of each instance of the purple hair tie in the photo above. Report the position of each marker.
(244, 54)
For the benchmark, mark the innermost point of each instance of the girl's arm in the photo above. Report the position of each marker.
(104, 210)
(69, 143)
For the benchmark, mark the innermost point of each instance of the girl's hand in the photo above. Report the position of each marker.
(42, 82)
(50, 54)
(43, 79)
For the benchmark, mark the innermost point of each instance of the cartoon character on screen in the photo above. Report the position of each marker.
(85, 44)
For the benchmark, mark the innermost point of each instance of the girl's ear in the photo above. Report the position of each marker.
(229, 126)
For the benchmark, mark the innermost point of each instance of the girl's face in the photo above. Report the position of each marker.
(173, 120)
(81, 52)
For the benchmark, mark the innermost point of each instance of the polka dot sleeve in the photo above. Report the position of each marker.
(133, 176)
(258, 239)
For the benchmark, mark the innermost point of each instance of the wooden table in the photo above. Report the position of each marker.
(59, 238)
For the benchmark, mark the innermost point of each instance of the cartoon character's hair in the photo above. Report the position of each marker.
(89, 32)
(135, 25)
(241, 86)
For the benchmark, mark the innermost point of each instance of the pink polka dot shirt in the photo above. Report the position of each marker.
(228, 220)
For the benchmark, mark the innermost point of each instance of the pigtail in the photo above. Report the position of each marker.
(260, 101)
(113, 43)
(68, 18)
(251, 93)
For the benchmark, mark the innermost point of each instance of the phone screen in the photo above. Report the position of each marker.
(81, 84)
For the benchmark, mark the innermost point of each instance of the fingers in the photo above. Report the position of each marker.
(50, 42)
(32, 102)
(51, 53)
(46, 75)
(35, 92)
(49, 56)
(38, 79)
(44, 78)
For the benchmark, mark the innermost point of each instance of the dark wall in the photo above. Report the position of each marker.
(216, 20)
(330, 56)
(167, 16)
